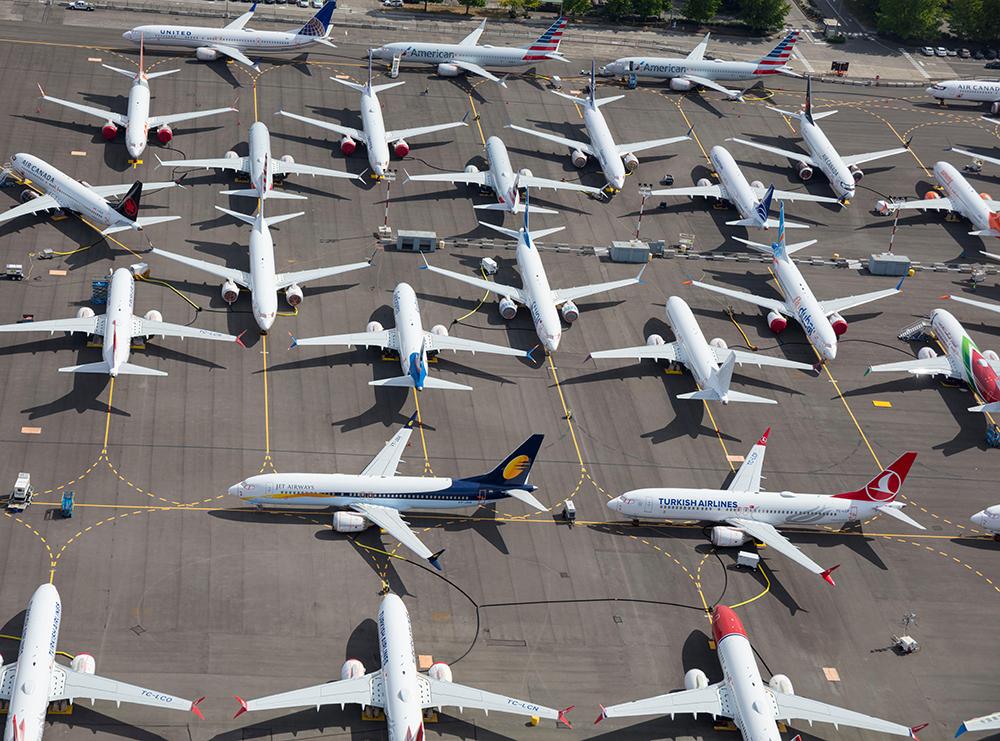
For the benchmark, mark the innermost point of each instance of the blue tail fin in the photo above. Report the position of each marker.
(779, 244)
(514, 469)
(764, 207)
(319, 23)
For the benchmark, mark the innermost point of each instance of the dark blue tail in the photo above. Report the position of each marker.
(514, 469)
(319, 23)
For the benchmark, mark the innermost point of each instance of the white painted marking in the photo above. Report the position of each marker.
(802, 58)
(918, 67)
(78, 153)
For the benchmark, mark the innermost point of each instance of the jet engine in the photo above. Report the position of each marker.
(882, 207)
(781, 683)
(926, 353)
(83, 663)
(440, 330)
(401, 148)
(508, 309)
(206, 54)
(986, 196)
(231, 155)
(440, 671)
(84, 312)
(448, 70)
(719, 343)
(288, 159)
(164, 134)
(995, 108)
(757, 185)
(349, 522)
(28, 195)
(857, 173)
(578, 158)
(991, 355)
(570, 312)
(373, 327)
(654, 339)
(776, 322)
(524, 172)
(153, 316)
(109, 131)
(352, 669)
(727, 537)
(804, 170)
(293, 295)
(471, 169)
(347, 146)
(631, 162)
(695, 679)
(838, 323)
(230, 292)
(680, 85)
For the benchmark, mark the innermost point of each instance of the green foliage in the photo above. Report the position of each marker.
(473, 4)
(911, 19)
(576, 8)
(966, 19)
(649, 8)
(763, 16)
(700, 11)
(617, 9)
(517, 7)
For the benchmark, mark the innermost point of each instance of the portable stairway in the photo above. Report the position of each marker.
(916, 332)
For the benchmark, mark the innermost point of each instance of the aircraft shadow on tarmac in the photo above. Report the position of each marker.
(96, 722)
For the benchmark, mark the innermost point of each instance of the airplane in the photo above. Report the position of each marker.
(372, 132)
(962, 360)
(503, 181)
(820, 320)
(960, 197)
(747, 512)
(398, 687)
(977, 155)
(411, 343)
(468, 56)
(753, 705)
(36, 669)
(842, 172)
(235, 40)
(752, 200)
(262, 281)
(535, 293)
(616, 160)
(980, 91)
(52, 190)
(711, 363)
(137, 121)
(985, 723)
(686, 73)
(263, 168)
(118, 327)
(988, 519)
(377, 496)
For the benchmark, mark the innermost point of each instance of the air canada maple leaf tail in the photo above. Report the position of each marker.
(887, 484)
(129, 205)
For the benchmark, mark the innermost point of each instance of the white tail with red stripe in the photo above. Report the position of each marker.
(778, 56)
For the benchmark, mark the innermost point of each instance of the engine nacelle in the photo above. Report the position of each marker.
(352, 669)
(440, 671)
(630, 161)
(680, 85)
(986, 196)
(206, 54)
(991, 355)
(570, 312)
(401, 148)
(776, 322)
(230, 292)
(373, 327)
(231, 155)
(448, 70)
(471, 169)
(838, 323)
(931, 195)
(84, 312)
(781, 683)
(83, 663)
(164, 134)
(28, 195)
(727, 537)
(882, 207)
(287, 159)
(153, 316)
(758, 185)
(695, 679)
(719, 343)
(926, 353)
(995, 108)
(293, 295)
(349, 522)
(508, 309)
(857, 173)
(440, 330)
(804, 170)
(654, 339)
(578, 158)
(109, 131)
(347, 146)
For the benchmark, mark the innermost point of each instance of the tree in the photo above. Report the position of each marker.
(615, 9)
(911, 19)
(648, 8)
(966, 19)
(576, 8)
(517, 7)
(763, 15)
(701, 11)
(473, 4)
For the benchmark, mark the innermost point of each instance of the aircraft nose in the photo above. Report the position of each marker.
(979, 518)
(127, 35)
(238, 490)
(551, 341)
(265, 321)
(615, 505)
(830, 350)
(618, 182)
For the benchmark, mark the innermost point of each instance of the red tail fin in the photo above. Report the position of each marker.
(886, 485)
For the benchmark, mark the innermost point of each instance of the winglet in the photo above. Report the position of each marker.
(195, 709)
(295, 342)
(914, 729)
(243, 706)
(411, 421)
(602, 716)
(426, 264)
(641, 271)
(961, 729)
(763, 438)
(899, 286)
(433, 560)
(40, 89)
(826, 575)
(562, 716)
(239, 341)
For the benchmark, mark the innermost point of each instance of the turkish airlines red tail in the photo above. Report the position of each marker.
(886, 485)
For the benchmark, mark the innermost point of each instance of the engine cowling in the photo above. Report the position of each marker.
(206, 54)
(373, 327)
(654, 339)
(524, 172)
(781, 683)
(349, 522)
(508, 309)
(109, 131)
(776, 322)
(352, 669)
(471, 169)
(448, 70)
(931, 195)
(995, 108)
(84, 312)
(440, 671)
(986, 196)
(28, 195)
(570, 312)
(347, 146)
(630, 161)
(719, 343)
(153, 316)
(838, 323)
(231, 155)
(164, 134)
(804, 170)
(728, 537)
(230, 292)
(695, 679)
(440, 330)
(882, 207)
(83, 663)
(288, 159)
(578, 158)
(926, 353)
(757, 185)
(857, 173)
(991, 355)
(293, 295)
(401, 148)
(680, 85)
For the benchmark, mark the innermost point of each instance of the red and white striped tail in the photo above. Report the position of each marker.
(778, 56)
(547, 43)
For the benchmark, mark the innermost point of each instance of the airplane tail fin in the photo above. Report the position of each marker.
(807, 110)
(245, 218)
(778, 56)
(886, 484)
(129, 205)
(717, 387)
(790, 249)
(546, 44)
(429, 382)
(763, 207)
(517, 235)
(319, 25)
(514, 469)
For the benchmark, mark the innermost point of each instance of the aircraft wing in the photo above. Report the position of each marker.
(849, 302)
(983, 723)
(236, 164)
(936, 366)
(766, 534)
(797, 156)
(88, 324)
(713, 85)
(280, 167)
(477, 70)
(239, 23)
(360, 691)
(669, 352)
(768, 303)
(976, 155)
(238, 277)
(283, 280)
(447, 342)
(468, 178)
(34, 206)
(698, 53)
(391, 136)
(634, 147)
(748, 477)
(980, 304)
(387, 339)
(458, 695)
(392, 522)
(335, 128)
(109, 191)
(387, 460)
(178, 117)
(72, 685)
(790, 195)
(515, 294)
(860, 159)
(572, 144)
(473, 38)
(533, 181)
(929, 204)
(117, 118)
(562, 295)
(703, 191)
(706, 700)
(794, 707)
(235, 54)
(758, 359)
(149, 328)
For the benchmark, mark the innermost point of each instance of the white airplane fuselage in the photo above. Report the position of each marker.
(734, 183)
(807, 310)
(964, 198)
(193, 37)
(698, 356)
(538, 292)
(964, 357)
(137, 126)
(604, 146)
(981, 91)
(373, 126)
(70, 194)
(502, 177)
(117, 342)
(403, 709)
(665, 68)
(263, 283)
(754, 710)
(827, 159)
(29, 698)
(427, 53)
(409, 328)
(261, 174)
(988, 519)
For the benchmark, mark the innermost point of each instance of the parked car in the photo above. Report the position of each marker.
(316, 3)
(392, 3)
(952, 52)
(989, 54)
(79, 5)
(927, 51)
(303, 3)
(977, 54)
(995, 64)
(941, 52)
(964, 53)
